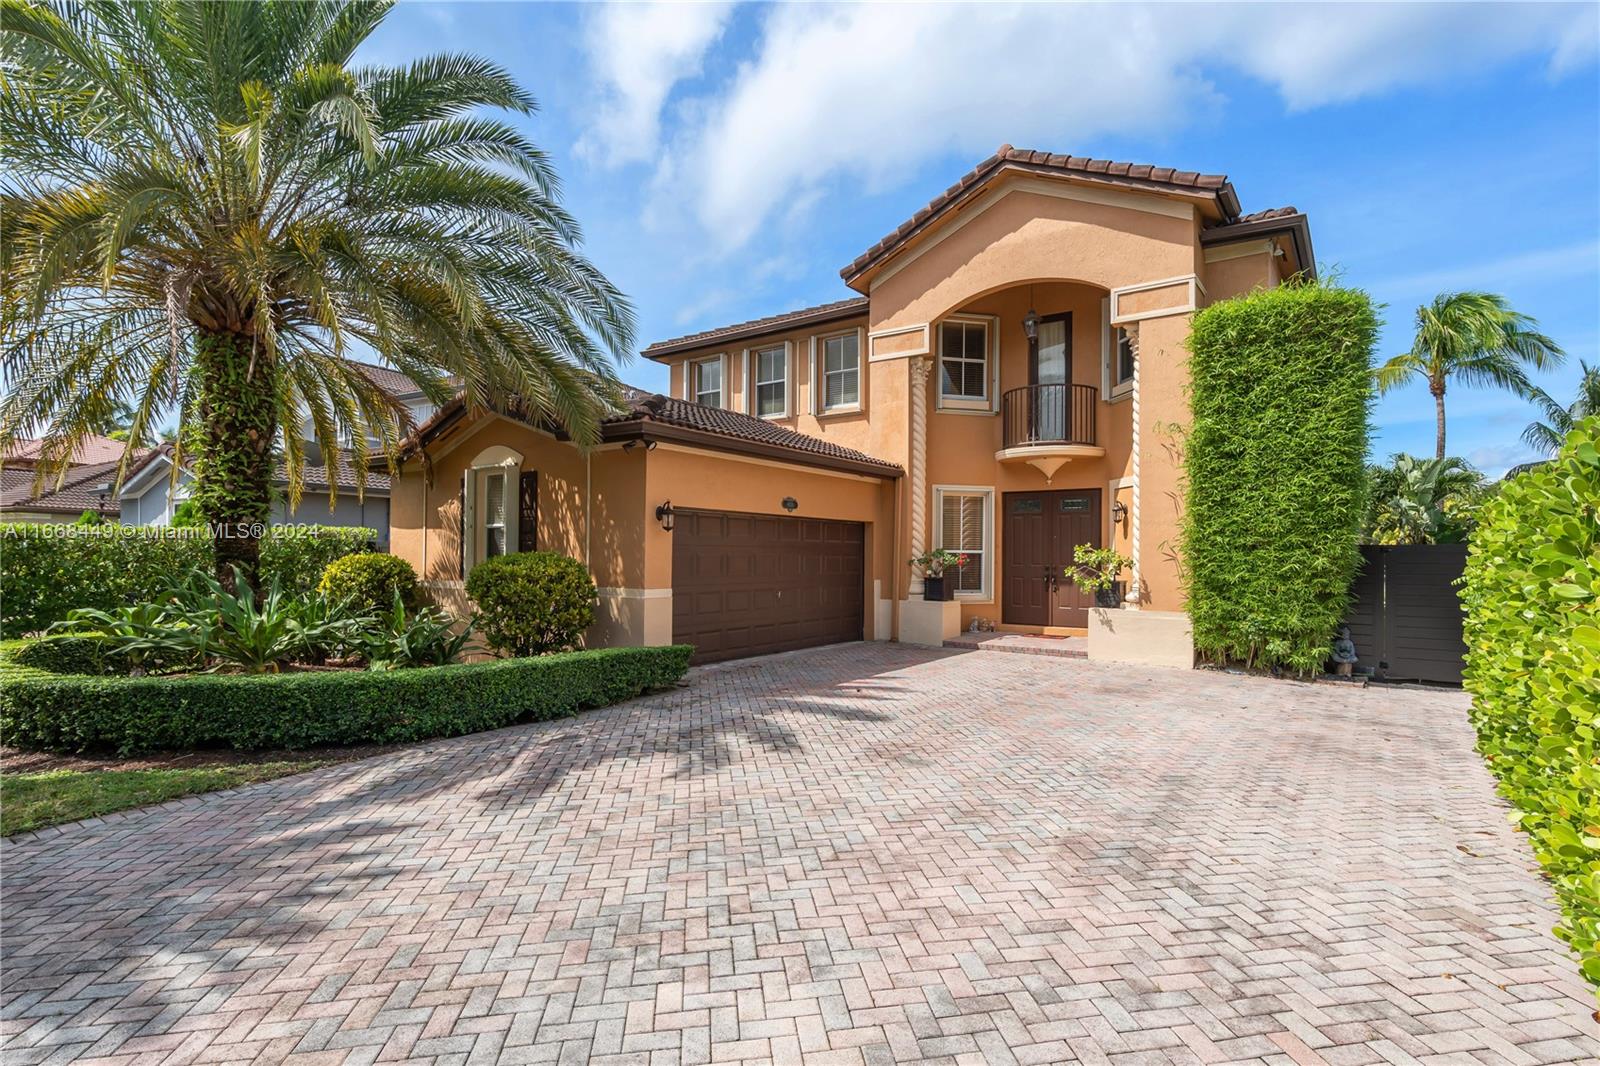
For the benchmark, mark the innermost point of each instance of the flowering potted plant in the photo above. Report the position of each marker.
(1095, 570)
(933, 565)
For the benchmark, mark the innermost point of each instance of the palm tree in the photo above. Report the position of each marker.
(1476, 338)
(1549, 435)
(207, 205)
(1423, 501)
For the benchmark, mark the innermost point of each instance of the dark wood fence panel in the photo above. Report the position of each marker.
(1406, 615)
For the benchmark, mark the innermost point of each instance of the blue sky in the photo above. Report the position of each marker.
(727, 160)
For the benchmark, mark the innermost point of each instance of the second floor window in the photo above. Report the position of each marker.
(772, 382)
(841, 372)
(707, 382)
(1122, 359)
(964, 361)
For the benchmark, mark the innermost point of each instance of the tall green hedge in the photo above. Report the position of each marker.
(131, 715)
(47, 570)
(1274, 461)
(1532, 598)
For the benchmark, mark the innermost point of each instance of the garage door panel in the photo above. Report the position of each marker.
(751, 584)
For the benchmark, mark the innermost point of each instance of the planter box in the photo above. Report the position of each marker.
(938, 589)
(1145, 638)
(1111, 597)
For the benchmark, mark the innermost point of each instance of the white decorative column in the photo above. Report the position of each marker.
(919, 463)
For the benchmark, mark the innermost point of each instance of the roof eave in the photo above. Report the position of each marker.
(837, 314)
(858, 275)
(1296, 226)
(648, 429)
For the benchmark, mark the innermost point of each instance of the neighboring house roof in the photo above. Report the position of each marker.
(388, 379)
(93, 449)
(78, 492)
(1129, 175)
(345, 475)
(806, 316)
(651, 416)
(1270, 223)
(314, 476)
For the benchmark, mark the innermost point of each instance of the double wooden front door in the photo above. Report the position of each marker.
(1041, 529)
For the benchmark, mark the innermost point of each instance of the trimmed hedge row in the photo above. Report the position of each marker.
(74, 713)
(1275, 470)
(46, 571)
(1532, 597)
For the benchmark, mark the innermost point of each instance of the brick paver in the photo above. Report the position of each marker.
(861, 855)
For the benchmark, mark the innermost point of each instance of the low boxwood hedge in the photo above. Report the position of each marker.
(77, 713)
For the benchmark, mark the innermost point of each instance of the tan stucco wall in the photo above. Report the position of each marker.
(599, 508)
(1030, 236)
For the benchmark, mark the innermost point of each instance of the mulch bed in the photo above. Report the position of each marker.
(17, 761)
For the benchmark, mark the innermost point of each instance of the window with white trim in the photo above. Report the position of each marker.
(841, 371)
(964, 363)
(772, 381)
(1122, 356)
(705, 383)
(494, 515)
(964, 526)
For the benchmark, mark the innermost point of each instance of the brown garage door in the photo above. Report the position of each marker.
(753, 584)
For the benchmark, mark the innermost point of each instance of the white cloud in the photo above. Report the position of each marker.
(868, 93)
(640, 52)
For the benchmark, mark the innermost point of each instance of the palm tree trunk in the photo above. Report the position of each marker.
(1438, 414)
(237, 422)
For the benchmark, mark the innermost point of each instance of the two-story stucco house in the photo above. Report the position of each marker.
(1007, 384)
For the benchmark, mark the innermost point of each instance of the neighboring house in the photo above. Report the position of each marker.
(85, 485)
(150, 497)
(1006, 384)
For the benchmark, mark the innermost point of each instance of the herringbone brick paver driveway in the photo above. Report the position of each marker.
(861, 855)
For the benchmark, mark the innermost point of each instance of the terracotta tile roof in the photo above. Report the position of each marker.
(856, 305)
(78, 492)
(316, 477)
(389, 380)
(1136, 174)
(1262, 216)
(93, 449)
(733, 425)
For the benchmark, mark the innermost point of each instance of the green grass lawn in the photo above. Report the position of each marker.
(34, 800)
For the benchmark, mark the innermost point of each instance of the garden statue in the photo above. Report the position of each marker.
(1344, 653)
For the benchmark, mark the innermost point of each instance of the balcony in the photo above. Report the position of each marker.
(1048, 426)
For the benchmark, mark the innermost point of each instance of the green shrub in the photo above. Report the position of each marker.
(532, 602)
(1532, 597)
(369, 581)
(134, 715)
(46, 571)
(1274, 467)
(65, 653)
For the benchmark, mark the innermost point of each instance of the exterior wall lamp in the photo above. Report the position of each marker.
(664, 516)
(1119, 513)
(1030, 321)
(790, 504)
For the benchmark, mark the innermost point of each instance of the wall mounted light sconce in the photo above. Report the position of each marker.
(1030, 321)
(1119, 513)
(649, 445)
(790, 504)
(664, 516)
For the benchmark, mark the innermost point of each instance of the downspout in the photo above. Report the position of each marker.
(588, 506)
(425, 513)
